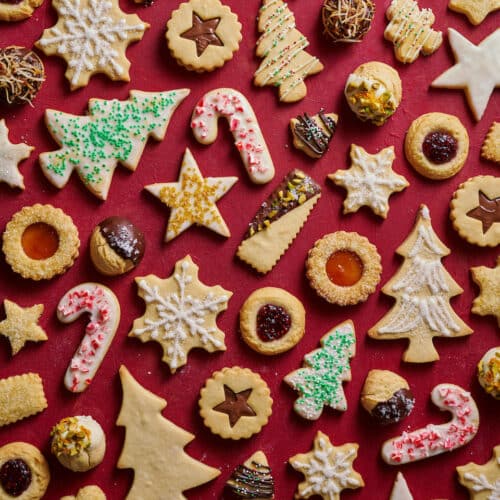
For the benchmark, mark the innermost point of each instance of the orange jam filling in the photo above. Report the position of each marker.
(40, 241)
(344, 268)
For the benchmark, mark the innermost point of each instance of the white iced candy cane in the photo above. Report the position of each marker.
(104, 309)
(436, 439)
(248, 138)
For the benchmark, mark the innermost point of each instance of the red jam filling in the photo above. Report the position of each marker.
(344, 268)
(40, 241)
(439, 147)
(272, 322)
(15, 477)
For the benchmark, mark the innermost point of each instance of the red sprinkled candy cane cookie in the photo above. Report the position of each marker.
(248, 138)
(436, 439)
(104, 309)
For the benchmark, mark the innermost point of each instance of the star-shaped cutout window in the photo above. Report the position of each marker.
(202, 33)
(235, 405)
(487, 212)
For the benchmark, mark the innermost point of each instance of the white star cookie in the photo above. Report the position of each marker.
(477, 69)
(370, 180)
(10, 156)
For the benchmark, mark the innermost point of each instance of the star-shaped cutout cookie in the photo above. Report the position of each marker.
(327, 469)
(370, 180)
(488, 300)
(475, 10)
(482, 481)
(235, 405)
(487, 212)
(10, 156)
(202, 33)
(192, 199)
(477, 69)
(21, 325)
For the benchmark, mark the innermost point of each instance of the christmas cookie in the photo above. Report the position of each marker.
(312, 134)
(435, 439)
(488, 372)
(17, 10)
(181, 313)
(475, 210)
(373, 92)
(272, 320)
(475, 10)
(22, 74)
(117, 246)
(400, 490)
(40, 242)
(24, 472)
(87, 493)
(202, 35)
(235, 403)
(370, 180)
(319, 381)
(278, 221)
(386, 396)
(286, 63)
(490, 150)
(92, 36)
(78, 443)
(482, 481)
(437, 145)
(192, 199)
(327, 469)
(344, 268)
(488, 300)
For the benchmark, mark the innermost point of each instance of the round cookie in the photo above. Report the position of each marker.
(437, 145)
(347, 21)
(116, 246)
(488, 372)
(12, 10)
(272, 320)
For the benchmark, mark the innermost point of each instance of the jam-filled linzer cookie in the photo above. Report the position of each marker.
(17, 10)
(40, 242)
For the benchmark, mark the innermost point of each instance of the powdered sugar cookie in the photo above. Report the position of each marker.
(490, 150)
(17, 10)
(488, 300)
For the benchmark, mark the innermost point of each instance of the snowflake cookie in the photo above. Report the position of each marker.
(92, 36)
(482, 481)
(327, 469)
(180, 313)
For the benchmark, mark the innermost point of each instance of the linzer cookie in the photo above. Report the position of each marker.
(490, 150)
(17, 10)
(278, 221)
(488, 300)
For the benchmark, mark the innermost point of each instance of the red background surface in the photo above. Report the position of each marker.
(286, 434)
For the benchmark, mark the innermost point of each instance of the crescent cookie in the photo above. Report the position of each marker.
(17, 11)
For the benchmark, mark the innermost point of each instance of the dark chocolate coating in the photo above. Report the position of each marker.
(124, 238)
(397, 407)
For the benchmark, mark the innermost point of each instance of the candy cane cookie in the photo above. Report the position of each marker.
(436, 439)
(104, 309)
(248, 138)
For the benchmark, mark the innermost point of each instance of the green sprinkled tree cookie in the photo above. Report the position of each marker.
(319, 382)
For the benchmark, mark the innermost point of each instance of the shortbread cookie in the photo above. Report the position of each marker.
(181, 313)
(475, 210)
(87, 493)
(17, 10)
(475, 10)
(278, 221)
(347, 21)
(10, 156)
(21, 325)
(488, 372)
(319, 381)
(202, 35)
(370, 180)
(488, 300)
(435, 439)
(40, 242)
(343, 268)
(482, 481)
(312, 134)
(437, 145)
(21, 396)
(422, 288)
(490, 150)
(78, 443)
(272, 320)
(153, 447)
(286, 63)
(248, 139)
(400, 490)
(373, 92)
(410, 30)
(475, 70)
(327, 469)
(113, 132)
(92, 37)
(192, 199)
(24, 472)
(235, 403)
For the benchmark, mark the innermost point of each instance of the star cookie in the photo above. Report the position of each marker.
(10, 156)
(488, 300)
(370, 180)
(192, 199)
(327, 469)
(490, 150)
(475, 10)
(180, 313)
(482, 481)
(400, 490)
(21, 325)
(476, 69)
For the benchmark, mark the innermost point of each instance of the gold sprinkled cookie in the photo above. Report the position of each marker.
(235, 403)
(490, 149)
(488, 372)
(482, 481)
(475, 10)
(18, 10)
(344, 268)
(437, 145)
(87, 493)
(272, 320)
(488, 300)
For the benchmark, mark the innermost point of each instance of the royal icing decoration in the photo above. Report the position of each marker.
(248, 139)
(104, 310)
(436, 439)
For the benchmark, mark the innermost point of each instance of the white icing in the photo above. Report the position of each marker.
(400, 490)
(481, 484)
